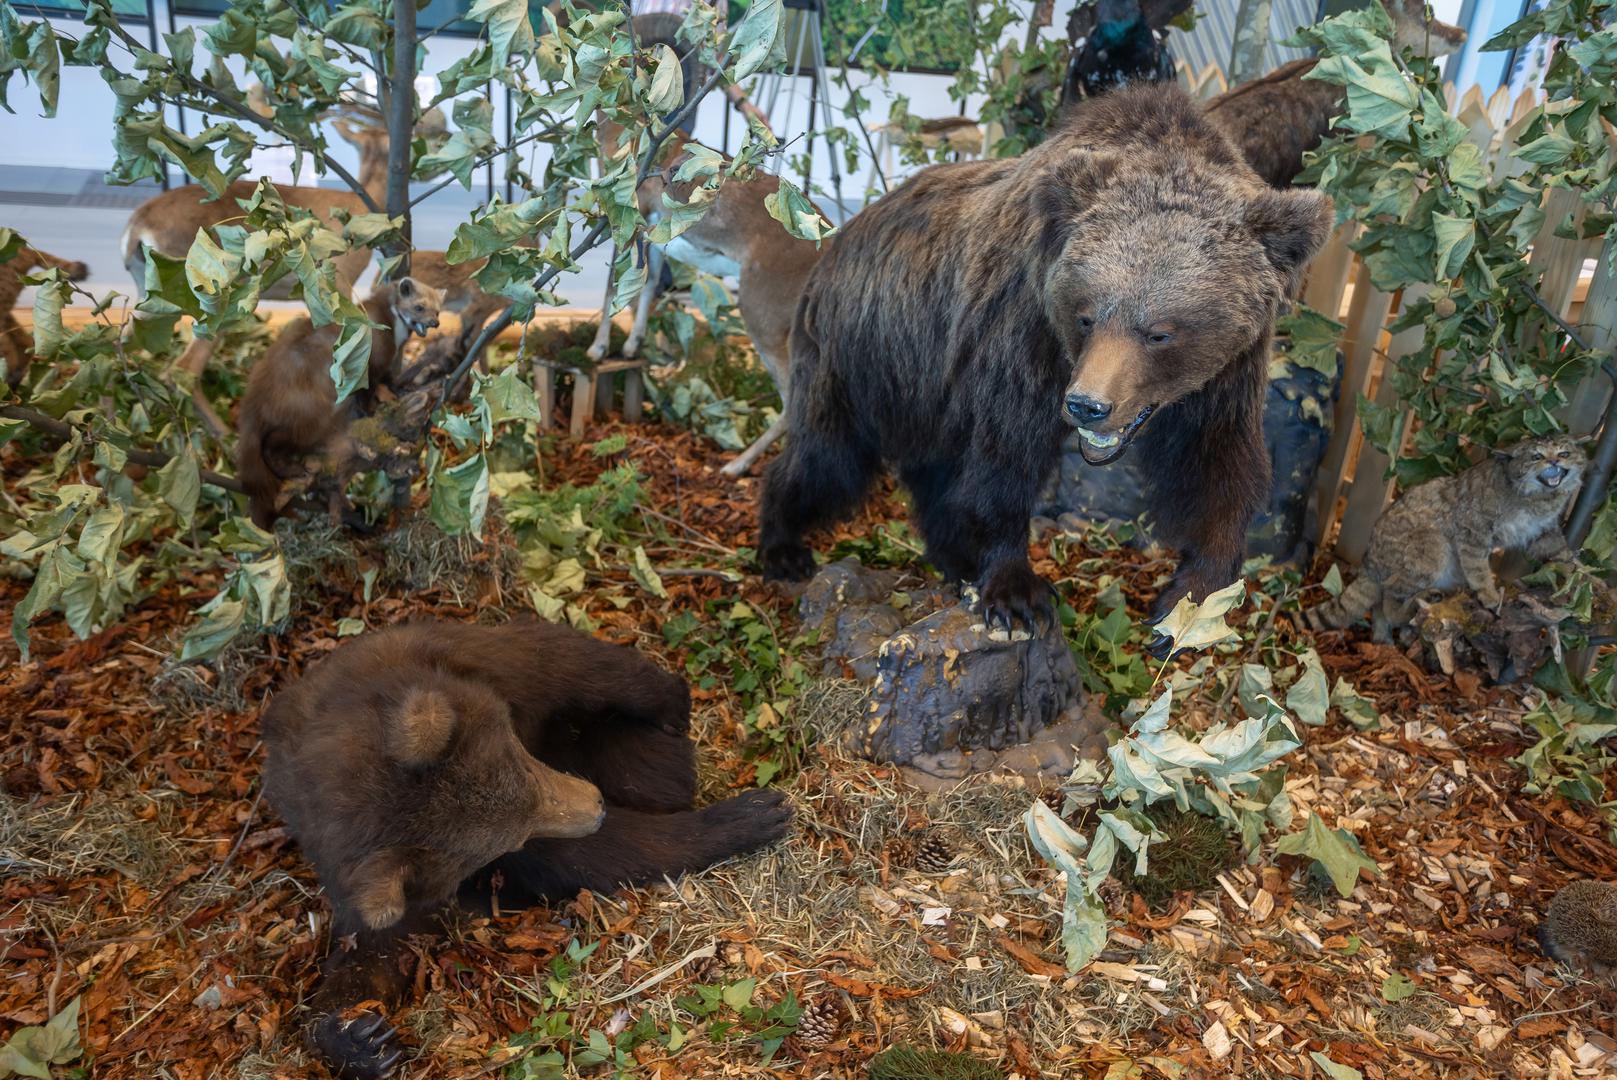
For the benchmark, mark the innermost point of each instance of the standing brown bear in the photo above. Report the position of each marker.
(436, 760)
(1127, 270)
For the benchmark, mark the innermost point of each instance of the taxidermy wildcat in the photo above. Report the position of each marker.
(1439, 535)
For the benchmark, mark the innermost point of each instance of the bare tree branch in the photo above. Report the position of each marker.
(242, 111)
(155, 459)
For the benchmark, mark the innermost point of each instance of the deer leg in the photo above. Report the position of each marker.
(751, 454)
(194, 361)
(648, 297)
(603, 334)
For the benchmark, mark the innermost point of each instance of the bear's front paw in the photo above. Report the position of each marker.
(1012, 593)
(359, 1048)
(746, 823)
(672, 713)
(786, 562)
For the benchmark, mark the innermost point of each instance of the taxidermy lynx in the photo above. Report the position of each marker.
(1440, 534)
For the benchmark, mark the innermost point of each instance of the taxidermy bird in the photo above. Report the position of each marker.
(1121, 47)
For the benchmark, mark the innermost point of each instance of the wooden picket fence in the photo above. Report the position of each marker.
(1352, 486)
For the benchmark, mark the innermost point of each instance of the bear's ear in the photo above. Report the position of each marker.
(1073, 184)
(1291, 225)
(405, 288)
(376, 887)
(421, 731)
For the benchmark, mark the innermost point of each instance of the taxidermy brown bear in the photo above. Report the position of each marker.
(1121, 278)
(436, 761)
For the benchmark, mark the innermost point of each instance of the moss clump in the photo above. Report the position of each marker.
(902, 1063)
(1189, 854)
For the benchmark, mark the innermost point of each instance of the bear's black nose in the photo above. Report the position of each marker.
(1086, 410)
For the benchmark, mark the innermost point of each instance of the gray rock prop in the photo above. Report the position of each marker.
(1296, 428)
(947, 696)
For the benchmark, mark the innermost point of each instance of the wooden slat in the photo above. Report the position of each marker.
(1558, 259)
(1328, 273)
(1372, 488)
(1367, 313)
(1597, 324)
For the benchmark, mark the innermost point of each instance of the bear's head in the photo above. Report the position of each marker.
(446, 788)
(1169, 271)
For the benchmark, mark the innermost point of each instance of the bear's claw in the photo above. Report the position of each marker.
(746, 822)
(359, 1049)
(1013, 594)
(786, 562)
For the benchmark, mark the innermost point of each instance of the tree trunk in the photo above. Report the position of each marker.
(1251, 36)
(401, 107)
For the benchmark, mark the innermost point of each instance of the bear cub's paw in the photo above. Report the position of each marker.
(672, 711)
(786, 562)
(361, 1048)
(1013, 594)
(745, 823)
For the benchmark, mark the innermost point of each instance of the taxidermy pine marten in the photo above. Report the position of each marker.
(527, 761)
(290, 411)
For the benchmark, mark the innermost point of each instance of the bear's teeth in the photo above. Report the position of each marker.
(1103, 442)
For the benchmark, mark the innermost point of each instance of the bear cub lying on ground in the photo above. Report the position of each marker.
(436, 761)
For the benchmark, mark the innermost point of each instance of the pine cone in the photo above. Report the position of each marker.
(901, 851)
(933, 853)
(820, 1022)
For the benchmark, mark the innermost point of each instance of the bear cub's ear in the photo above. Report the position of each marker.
(1291, 225)
(376, 887)
(420, 732)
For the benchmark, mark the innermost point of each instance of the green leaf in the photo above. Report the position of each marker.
(508, 27)
(1309, 697)
(792, 209)
(350, 627)
(1396, 987)
(351, 357)
(1550, 149)
(646, 574)
(209, 269)
(1360, 711)
(738, 995)
(1332, 1069)
(1455, 237)
(667, 81)
(460, 497)
(1332, 581)
(180, 484)
(1196, 626)
(216, 630)
(1083, 918)
(508, 396)
(1334, 849)
(1380, 98)
(1312, 339)
(757, 39)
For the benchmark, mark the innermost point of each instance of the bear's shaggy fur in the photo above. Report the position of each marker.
(1127, 269)
(433, 759)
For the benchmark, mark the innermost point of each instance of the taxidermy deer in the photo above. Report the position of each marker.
(735, 238)
(290, 412)
(168, 223)
(1277, 119)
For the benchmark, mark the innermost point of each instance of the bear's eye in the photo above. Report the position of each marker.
(1085, 323)
(1160, 337)
(1563, 454)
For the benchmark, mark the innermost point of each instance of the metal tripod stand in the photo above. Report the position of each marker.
(805, 36)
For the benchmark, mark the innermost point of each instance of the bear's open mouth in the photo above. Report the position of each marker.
(1113, 444)
(419, 329)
